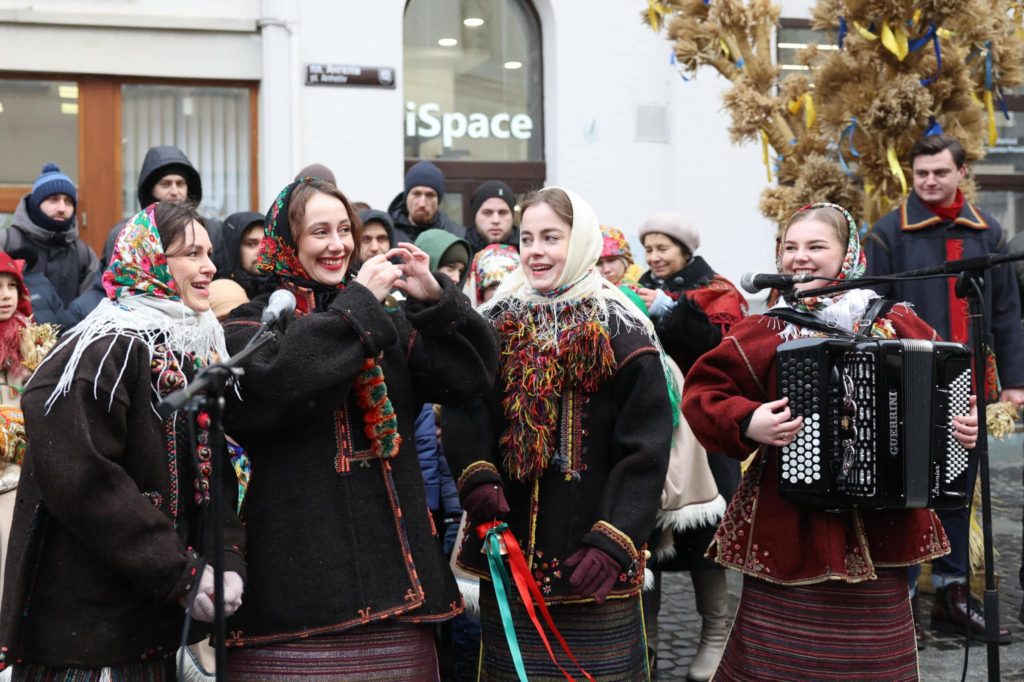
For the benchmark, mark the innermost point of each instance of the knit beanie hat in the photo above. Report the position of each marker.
(672, 225)
(51, 181)
(490, 190)
(425, 174)
(456, 253)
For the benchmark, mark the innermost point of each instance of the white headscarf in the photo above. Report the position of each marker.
(579, 274)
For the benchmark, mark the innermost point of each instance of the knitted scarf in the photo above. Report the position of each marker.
(556, 341)
(278, 257)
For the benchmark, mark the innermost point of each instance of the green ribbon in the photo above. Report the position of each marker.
(500, 578)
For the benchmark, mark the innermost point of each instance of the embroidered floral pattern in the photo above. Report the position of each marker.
(138, 264)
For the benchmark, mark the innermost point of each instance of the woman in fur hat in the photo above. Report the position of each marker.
(108, 512)
(346, 572)
(570, 450)
(692, 307)
(823, 591)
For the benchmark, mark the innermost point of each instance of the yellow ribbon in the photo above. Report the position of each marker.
(993, 135)
(725, 48)
(655, 12)
(807, 102)
(866, 34)
(764, 154)
(944, 33)
(896, 41)
(917, 16)
(896, 168)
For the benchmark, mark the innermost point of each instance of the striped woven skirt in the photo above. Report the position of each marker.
(375, 653)
(159, 670)
(607, 639)
(826, 631)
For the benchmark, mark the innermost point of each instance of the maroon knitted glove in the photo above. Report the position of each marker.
(596, 573)
(484, 503)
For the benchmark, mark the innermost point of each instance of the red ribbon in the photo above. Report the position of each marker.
(530, 592)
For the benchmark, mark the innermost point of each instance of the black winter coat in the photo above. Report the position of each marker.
(615, 440)
(336, 537)
(407, 231)
(105, 519)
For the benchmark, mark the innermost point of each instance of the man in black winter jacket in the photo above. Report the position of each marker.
(166, 175)
(44, 223)
(418, 208)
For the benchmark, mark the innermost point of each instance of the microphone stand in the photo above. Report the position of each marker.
(206, 393)
(970, 274)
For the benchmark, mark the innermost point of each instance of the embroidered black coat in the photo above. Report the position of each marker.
(105, 519)
(338, 538)
(615, 444)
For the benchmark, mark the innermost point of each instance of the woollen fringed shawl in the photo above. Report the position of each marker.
(144, 304)
(554, 341)
(278, 257)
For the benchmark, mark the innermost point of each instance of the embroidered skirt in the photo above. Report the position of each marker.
(158, 670)
(825, 631)
(375, 653)
(607, 639)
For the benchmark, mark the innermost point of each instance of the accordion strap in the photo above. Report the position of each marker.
(878, 308)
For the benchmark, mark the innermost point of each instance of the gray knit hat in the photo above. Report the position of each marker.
(672, 225)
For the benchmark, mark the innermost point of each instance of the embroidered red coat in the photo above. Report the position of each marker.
(762, 534)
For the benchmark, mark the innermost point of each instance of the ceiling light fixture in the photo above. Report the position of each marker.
(67, 91)
(447, 42)
(473, 22)
(69, 108)
(513, 65)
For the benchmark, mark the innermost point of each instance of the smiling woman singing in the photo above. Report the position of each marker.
(346, 569)
(571, 449)
(110, 501)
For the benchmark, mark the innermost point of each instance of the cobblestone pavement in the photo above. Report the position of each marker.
(944, 657)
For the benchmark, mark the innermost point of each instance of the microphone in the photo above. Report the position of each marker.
(282, 302)
(753, 282)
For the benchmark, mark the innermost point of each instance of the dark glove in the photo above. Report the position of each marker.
(484, 503)
(596, 573)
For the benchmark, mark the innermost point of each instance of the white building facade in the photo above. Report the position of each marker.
(597, 106)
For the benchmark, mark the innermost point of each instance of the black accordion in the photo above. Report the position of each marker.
(877, 429)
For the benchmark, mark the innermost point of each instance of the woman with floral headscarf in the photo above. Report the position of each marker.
(490, 266)
(570, 450)
(823, 591)
(346, 572)
(106, 525)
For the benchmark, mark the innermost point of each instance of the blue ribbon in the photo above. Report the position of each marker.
(917, 43)
(500, 578)
(934, 128)
(988, 64)
(1002, 105)
(848, 134)
(932, 34)
(672, 61)
(842, 31)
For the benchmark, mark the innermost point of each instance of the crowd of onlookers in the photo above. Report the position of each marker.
(568, 302)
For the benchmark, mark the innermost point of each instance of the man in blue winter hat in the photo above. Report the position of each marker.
(418, 208)
(44, 222)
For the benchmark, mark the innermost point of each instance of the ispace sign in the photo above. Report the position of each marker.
(428, 121)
